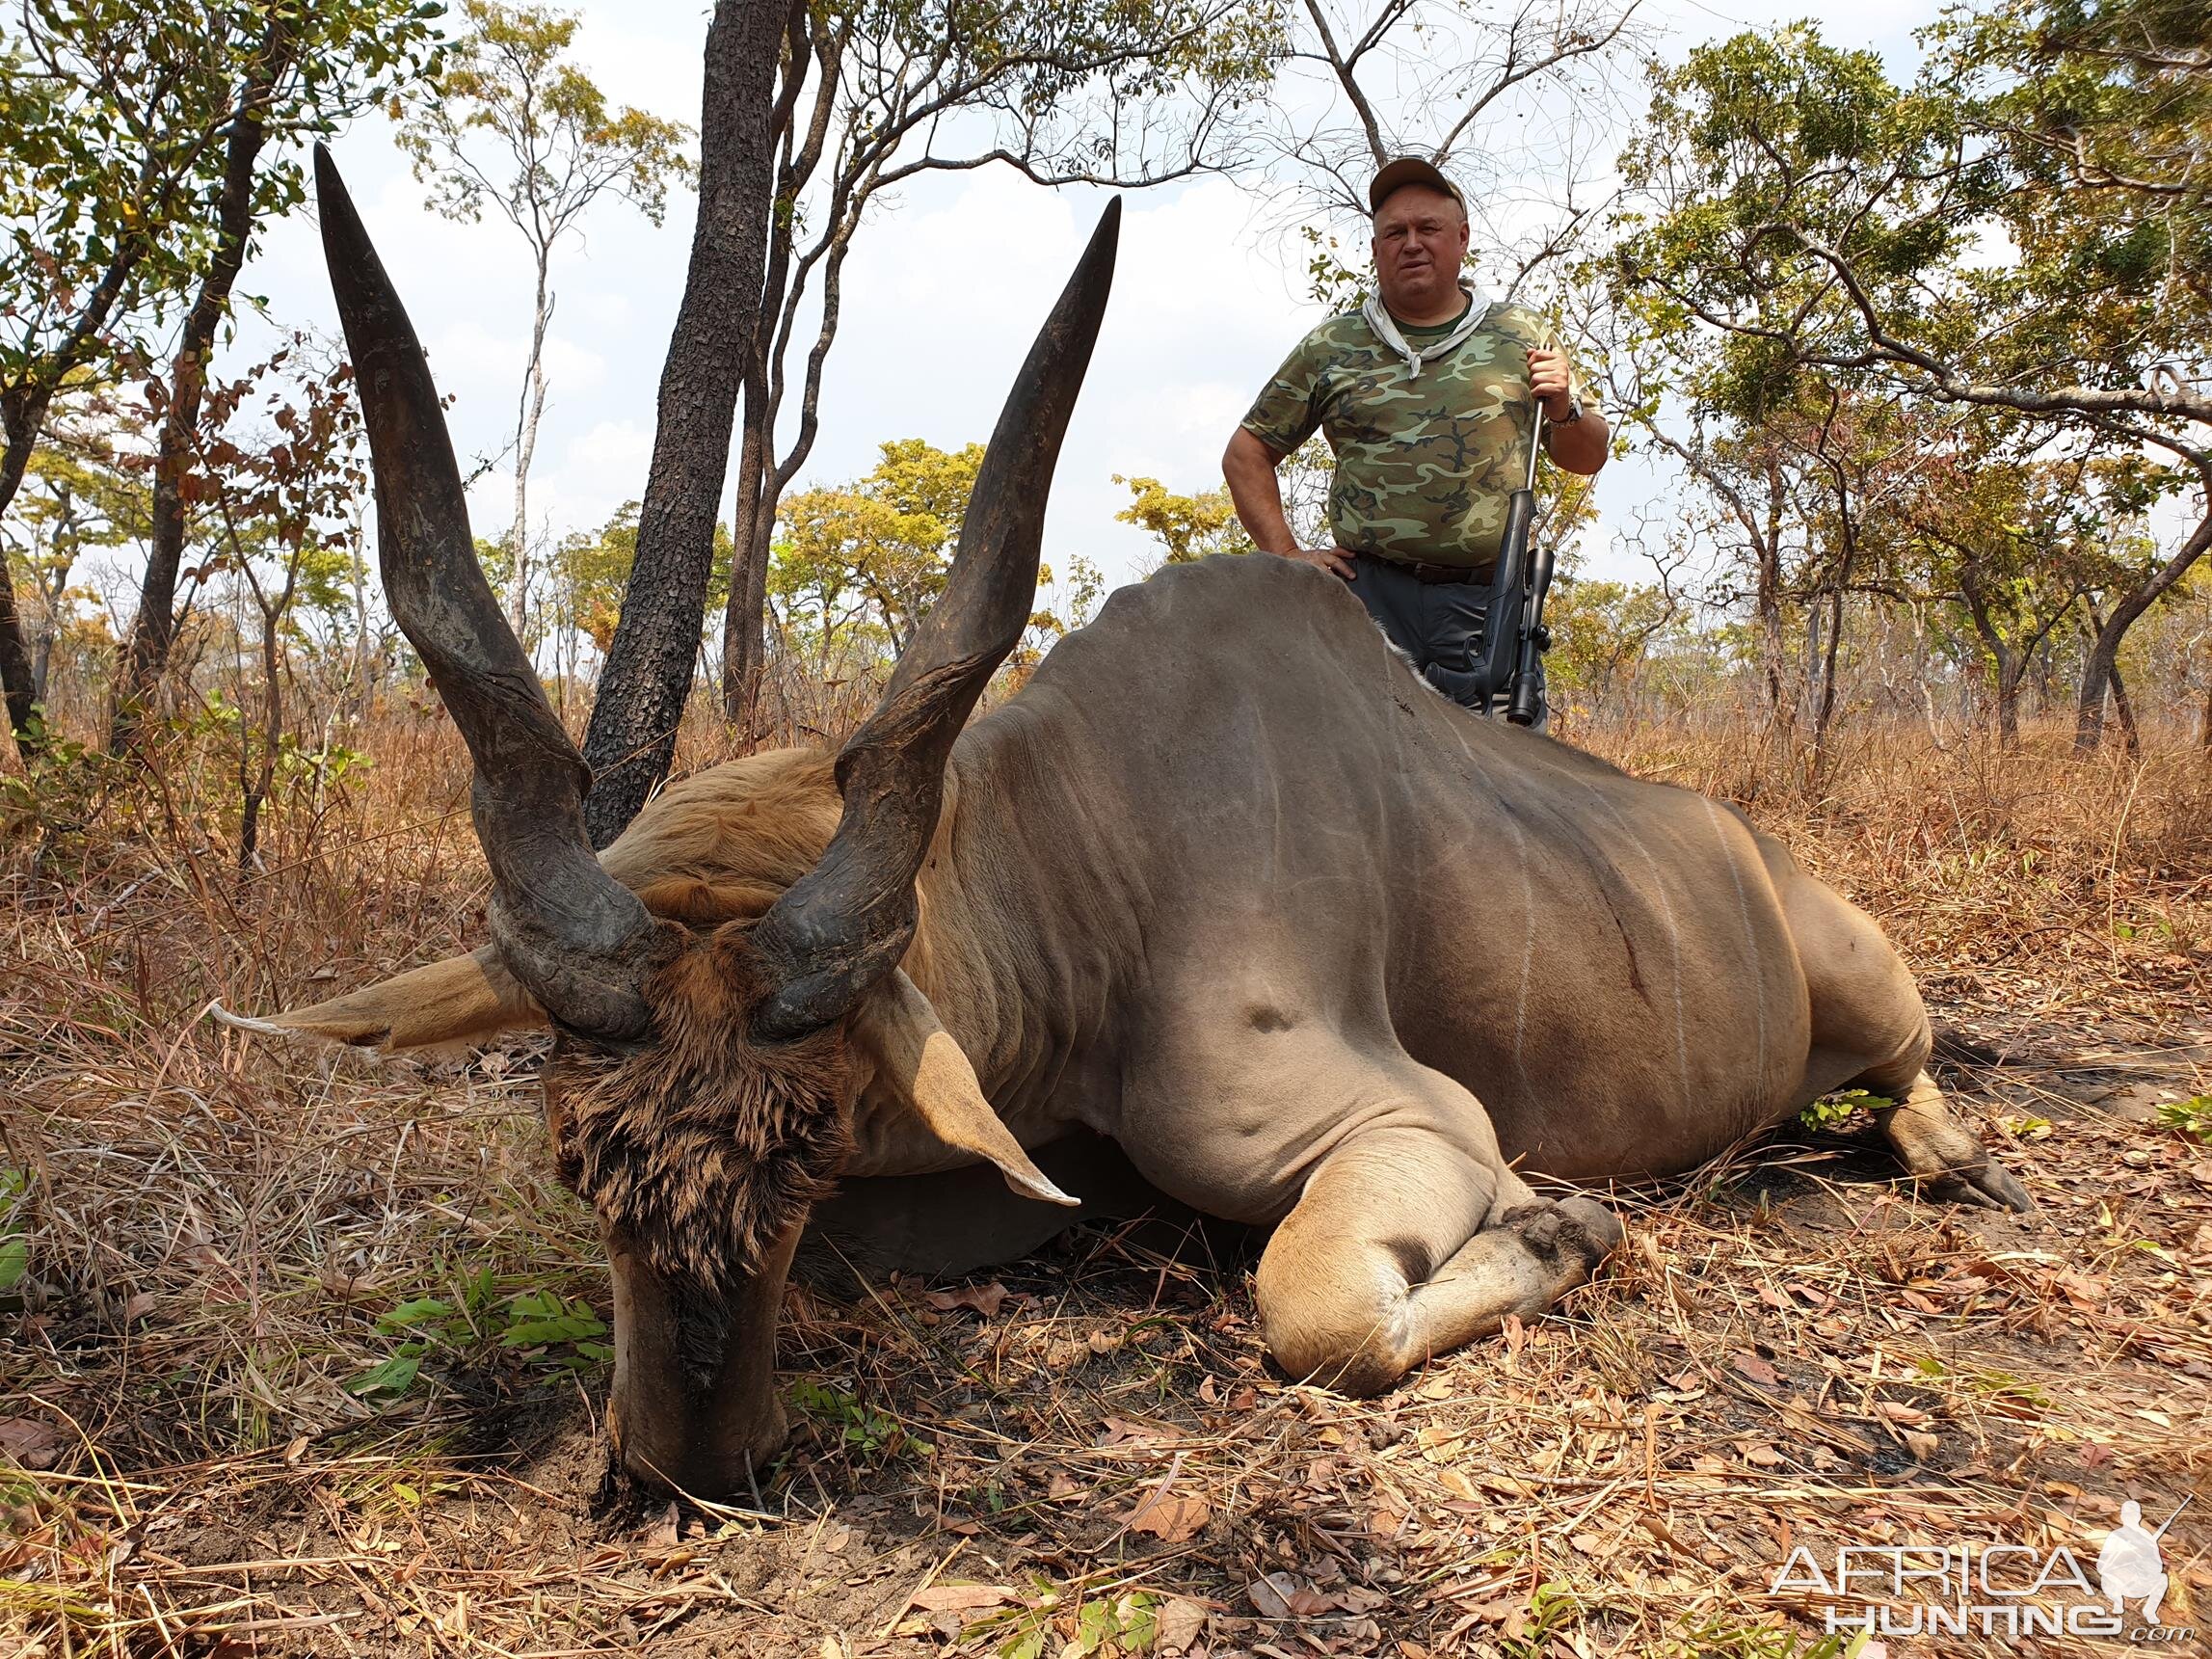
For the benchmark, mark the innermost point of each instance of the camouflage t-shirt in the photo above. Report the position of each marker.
(1425, 465)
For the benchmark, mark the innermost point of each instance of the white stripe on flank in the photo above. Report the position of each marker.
(1673, 936)
(1750, 935)
(1529, 922)
(1528, 957)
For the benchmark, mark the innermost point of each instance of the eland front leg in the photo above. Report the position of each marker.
(1402, 1233)
(1403, 1248)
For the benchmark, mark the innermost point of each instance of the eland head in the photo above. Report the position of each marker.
(702, 1076)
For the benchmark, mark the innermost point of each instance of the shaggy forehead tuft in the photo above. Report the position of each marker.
(708, 1147)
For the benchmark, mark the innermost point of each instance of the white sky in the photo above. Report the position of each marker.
(943, 289)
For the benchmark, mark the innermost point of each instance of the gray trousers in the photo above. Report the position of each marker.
(1438, 625)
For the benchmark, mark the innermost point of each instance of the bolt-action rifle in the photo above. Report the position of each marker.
(1514, 637)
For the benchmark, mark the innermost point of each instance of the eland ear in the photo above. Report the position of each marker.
(462, 999)
(921, 1063)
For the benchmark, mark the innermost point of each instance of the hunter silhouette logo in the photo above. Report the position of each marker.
(1992, 1588)
(2130, 1567)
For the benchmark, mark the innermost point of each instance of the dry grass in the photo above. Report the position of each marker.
(225, 1240)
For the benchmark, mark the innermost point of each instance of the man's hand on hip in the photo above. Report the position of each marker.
(1550, 380)
(1337, 561)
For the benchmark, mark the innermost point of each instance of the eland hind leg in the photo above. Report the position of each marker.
(1941, 1154)
(1870, 1030)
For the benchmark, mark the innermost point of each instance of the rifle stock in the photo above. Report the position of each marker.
(1533, 640)
(1500, 654)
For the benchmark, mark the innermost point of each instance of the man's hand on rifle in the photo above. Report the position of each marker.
(1576, 446)
(1548, 380)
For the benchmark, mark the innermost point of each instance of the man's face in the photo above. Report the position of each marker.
(1419, 243)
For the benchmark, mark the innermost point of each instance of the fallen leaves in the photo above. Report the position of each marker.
(32, 1441)
(985, 1300)
(1757, 1370)
(1908, 1423)
(1286, 1595)
(1283, 1595)
(1179, 1623)
(1170, 1517)
(1135, 1432)
(961, 1597)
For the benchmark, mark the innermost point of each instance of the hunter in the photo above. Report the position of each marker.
(1425, 395)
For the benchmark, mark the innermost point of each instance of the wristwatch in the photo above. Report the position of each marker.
(1574, 410)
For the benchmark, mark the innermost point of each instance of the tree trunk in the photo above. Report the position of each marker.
(146, 654)
(742, 645)
(2099, 669)
(43, 658)
(21, 413)
(2008, 665)
(364, 666)
(1825, 709)
(744, 627)
(253, 787)
(649, 667)
(760, 474)
(2126, 712)
(1771, 647)
(53, 583)
(2097, 683)
(526, 420)
(749, 581)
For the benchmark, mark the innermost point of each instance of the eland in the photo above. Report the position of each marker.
(1225, 883)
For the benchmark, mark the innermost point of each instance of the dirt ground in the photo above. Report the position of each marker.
(307, 1355)
(1090, 1449)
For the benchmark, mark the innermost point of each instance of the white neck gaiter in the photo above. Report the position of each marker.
(1385, 327)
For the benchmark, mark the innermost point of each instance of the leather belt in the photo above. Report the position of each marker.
(1431, 576)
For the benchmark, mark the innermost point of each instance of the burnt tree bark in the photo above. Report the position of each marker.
(23, 408)
(146, 654)
(16, 677)
(648, 668)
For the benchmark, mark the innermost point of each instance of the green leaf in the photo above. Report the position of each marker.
(393, 1378)
(410, 1314)
(2192, 1116)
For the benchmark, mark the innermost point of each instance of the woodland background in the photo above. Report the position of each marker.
(1920, 365)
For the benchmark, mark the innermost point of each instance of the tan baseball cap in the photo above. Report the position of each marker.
(1410, 169)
